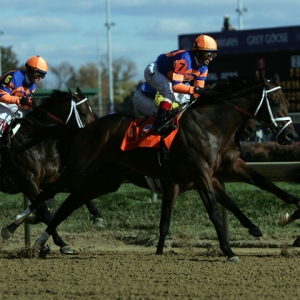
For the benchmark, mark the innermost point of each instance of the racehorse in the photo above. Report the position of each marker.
(40, 148)
(194, 156)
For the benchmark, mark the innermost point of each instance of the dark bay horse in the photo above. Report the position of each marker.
(195, 154)
(40, 149)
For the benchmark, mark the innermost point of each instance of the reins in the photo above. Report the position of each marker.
(49, 115)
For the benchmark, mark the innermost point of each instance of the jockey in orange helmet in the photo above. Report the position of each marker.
(173, 74)
(16, 89)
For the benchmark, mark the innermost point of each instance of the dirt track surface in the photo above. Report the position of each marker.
(104, 268)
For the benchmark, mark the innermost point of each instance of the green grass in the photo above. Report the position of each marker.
(130, 210)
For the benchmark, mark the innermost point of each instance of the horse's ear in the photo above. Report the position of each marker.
(71, 93)
(263, 79)
(261, 76)
(79, 92)
(276, 79)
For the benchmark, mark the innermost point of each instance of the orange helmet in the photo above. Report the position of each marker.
(205, 43)
(37, 63)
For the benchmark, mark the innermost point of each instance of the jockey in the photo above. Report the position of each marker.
(173, 74)
(16, 89)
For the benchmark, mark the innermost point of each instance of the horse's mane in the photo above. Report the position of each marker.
(235, 83)
(37, 115)
(224, 89)
(55, 97)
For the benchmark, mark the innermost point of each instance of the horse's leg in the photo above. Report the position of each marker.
(170, 194)
(97, 217)
(243, 172)
(205, 189)
(223, 198)
(108, 179)
(35, 218)
(286, 219)
(46, 217)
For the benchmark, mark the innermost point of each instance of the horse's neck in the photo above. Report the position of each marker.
(226, 119)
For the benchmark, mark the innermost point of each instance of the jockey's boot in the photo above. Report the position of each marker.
(159, 127)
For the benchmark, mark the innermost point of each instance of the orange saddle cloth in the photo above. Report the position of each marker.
(139, 134)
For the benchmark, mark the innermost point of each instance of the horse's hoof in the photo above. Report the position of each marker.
(255, 231)
(98, 222)
(5, 233)
(285, 219)
(297, 243)
(234, 259)
(66, 250)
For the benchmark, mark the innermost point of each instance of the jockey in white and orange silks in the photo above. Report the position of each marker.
(16, 89)
(173, 74)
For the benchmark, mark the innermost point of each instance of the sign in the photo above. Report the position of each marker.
(245, 41)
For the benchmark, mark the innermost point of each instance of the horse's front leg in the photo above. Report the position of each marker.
(223, 198)
(170, 193)
(205, 190)
(287, 219)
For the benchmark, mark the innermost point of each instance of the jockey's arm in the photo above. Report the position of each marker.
(7, 98)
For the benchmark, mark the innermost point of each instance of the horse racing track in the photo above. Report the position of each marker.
(103, 268)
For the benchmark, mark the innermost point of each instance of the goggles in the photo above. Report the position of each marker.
(37, 74)
(209, 54)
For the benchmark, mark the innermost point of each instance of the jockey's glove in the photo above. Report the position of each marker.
(26, 101)
(198, 91)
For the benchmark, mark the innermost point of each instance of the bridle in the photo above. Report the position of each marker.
(273, 120)
(275, 128)
(74, 109)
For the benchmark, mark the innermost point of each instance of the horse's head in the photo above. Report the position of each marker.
(275, 108)
(83, 112)
(66, 107)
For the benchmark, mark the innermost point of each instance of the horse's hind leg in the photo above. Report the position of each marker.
(108, 179)
(223, 198)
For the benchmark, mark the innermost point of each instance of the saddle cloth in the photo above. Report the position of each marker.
(139, 134)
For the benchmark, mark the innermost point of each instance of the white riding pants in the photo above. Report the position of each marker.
(160, 83)
(7, 112)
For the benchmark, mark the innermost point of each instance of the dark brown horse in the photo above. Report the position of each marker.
(40, 149)
(195, 156)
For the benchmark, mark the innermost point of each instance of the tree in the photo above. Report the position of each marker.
(88, 76)
(124, 84)
(9, 60)
(65, 75)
